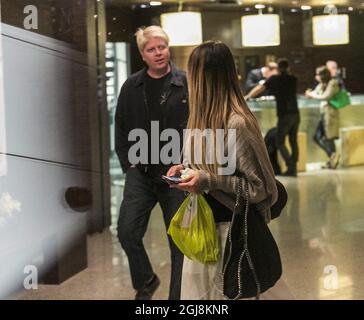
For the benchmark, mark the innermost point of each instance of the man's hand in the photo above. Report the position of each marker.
(255, 91)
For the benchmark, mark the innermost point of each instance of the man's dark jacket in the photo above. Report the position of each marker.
(132, 111)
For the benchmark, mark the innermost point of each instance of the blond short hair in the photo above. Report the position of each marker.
(144, 34)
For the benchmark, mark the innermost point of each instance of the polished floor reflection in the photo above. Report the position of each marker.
(320, 235)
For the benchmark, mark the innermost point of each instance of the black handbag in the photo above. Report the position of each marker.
(251, 262)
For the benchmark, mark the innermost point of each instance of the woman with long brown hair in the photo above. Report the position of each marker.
(216, 103)
(328, 127)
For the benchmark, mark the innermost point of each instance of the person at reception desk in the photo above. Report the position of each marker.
(258, 76)
(332, 66)
(284, 88)
(328, 127)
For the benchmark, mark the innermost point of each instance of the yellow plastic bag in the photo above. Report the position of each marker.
(193, 230)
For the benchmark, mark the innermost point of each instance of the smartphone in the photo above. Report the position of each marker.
(173, 179)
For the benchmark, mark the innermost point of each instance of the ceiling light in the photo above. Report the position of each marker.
(330, 9)
(351, 9)
(155, 3)
(330, 29)
(306, 8)
(259, 6)
(267, 34)
(143, 6)
(183, 28)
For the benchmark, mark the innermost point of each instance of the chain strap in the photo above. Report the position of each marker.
(245, 252)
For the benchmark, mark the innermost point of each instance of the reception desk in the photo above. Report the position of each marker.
(351, 116)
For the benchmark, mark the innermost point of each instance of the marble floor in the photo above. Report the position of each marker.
(320, 235)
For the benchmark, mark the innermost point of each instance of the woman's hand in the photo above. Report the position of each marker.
(175, 170)
(190, 184)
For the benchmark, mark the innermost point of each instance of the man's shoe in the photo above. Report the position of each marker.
(291, 172)
(147, 292)
(327, 165)
(334, 160)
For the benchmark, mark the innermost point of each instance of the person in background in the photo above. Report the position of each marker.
(258, 76)
(332, 66)
(328, 127)
(270, 142)
(284, 88)
(158, 93)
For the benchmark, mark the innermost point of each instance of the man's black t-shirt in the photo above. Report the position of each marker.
(284, 89)
(156, 91)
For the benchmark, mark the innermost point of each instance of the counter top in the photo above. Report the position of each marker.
(303, 102)
(265, 112)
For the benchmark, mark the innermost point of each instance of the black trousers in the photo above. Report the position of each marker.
(288, 126)
(328, 145)
(270, 143)
(141, 194)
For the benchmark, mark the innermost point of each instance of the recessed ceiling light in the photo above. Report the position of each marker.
(143, 6)
(259, 6)
(351, 9)
(155, 3)
(294, 10)
(306, 8)
(248, 9)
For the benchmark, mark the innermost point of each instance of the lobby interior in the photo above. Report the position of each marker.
(61, 184)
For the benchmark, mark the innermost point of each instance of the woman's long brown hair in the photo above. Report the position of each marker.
(214, 93)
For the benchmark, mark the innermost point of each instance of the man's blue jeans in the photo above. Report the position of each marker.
(141, 194)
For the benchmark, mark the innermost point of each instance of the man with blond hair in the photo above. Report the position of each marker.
(157, 94)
